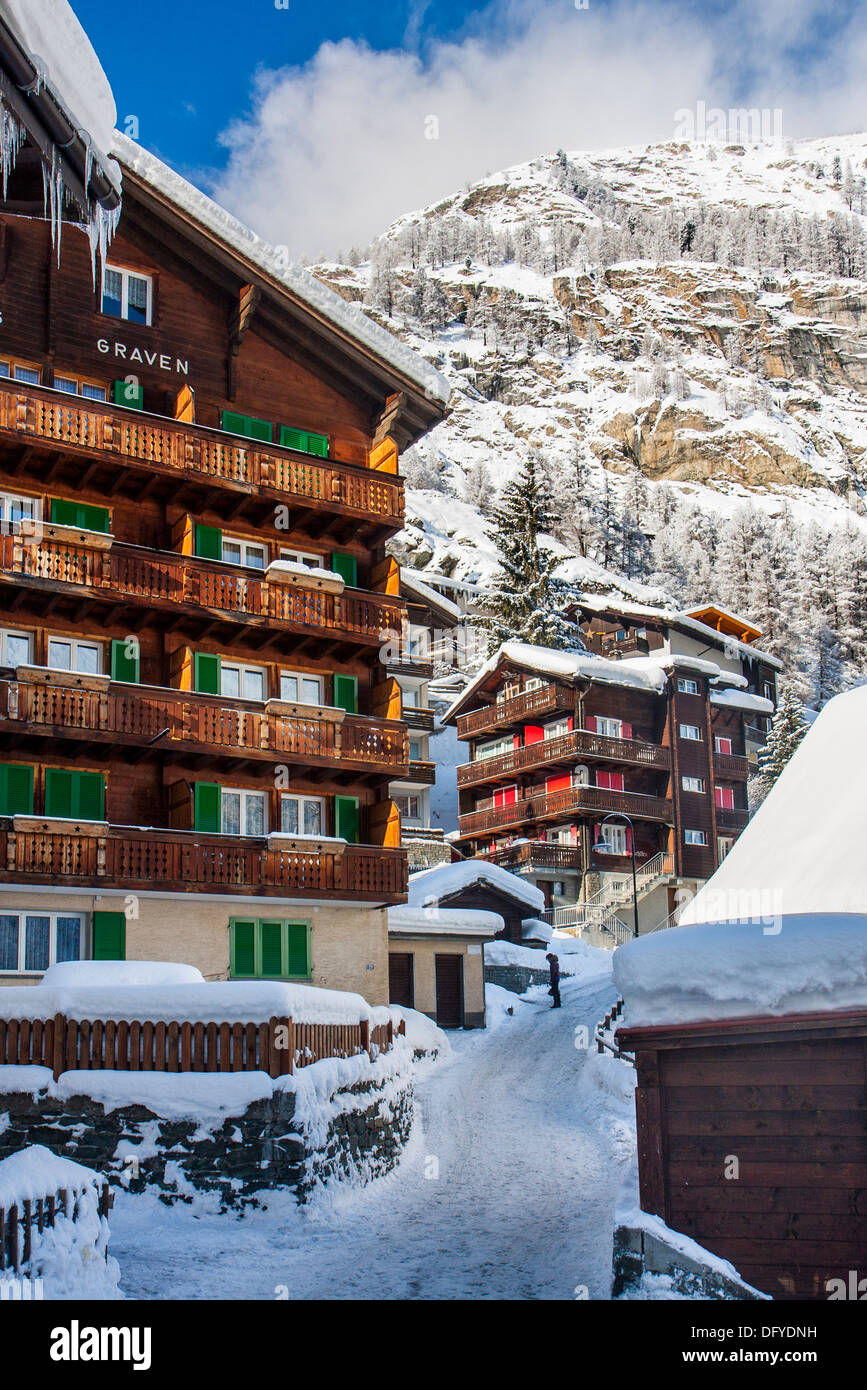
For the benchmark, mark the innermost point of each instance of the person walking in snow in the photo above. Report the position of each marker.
(554, 975)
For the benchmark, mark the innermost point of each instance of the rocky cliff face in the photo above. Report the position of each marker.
(724, 356)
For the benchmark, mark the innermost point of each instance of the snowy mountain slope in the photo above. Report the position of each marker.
(678, 331)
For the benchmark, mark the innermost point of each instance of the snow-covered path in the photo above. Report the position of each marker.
(521, 1208)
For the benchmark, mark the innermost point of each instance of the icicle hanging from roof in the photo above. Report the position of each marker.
(12, 137)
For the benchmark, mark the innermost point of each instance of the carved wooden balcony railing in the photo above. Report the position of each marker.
(731, 765)
(164, 579)
(181, 450)
(422, 772)
(571, 800)
(136, 714)
(731, 820)
(189, 862)
(545, 698)
(579, 743)
(537, 855)
(415, 718)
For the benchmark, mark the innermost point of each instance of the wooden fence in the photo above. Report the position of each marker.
(277, 1047)
(17, 1221)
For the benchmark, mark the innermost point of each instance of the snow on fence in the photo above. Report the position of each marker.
(53, 1220)
(277, 1046)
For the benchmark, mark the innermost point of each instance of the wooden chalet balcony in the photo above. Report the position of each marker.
(731, 765)
(569, 801)
(579, 743)
(537, 855)
(136, 715)
(189, 862)
(531, 702)
(422, 772)
(415, 718)
(731, 820)
(177, 453)
(165, 581)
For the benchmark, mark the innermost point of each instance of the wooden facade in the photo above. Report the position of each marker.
(552, 757)
(752, 1139)
(199, 472)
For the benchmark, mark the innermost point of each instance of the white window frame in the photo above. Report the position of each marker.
(613, 728)
(245, 547)
(308, 558)
(5, 634)
(303, 799)
(722, 738)
(534, 683)
(243, 669)
(687, 686)
(559, 729)
(691, 732)
(300, 677)
(8, 527)
(75, 644)
(612, 835)
(126, 275)
(697, 838)
(729, 791)
(494, 748)
(22, 916)
(409, 816)
(418, 742)
(247, 795)
(685, 781)
(727, 841)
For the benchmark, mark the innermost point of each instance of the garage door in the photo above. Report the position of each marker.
(400, 979)
(450, 991)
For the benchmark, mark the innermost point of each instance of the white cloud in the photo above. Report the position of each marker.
(335, 150)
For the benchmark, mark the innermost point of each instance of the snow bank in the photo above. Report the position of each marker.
(741, 699)
(218, 1002)
(803, 963)
(432, 885)
(575, 957)
(422, 1034)
(444, 921)
(534, 929)
(803, 850)
(348, 318)
(88, 973)
(70, 1258)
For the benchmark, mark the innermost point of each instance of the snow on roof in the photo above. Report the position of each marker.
(534, 929)
(803, 850)
(234, 1001)
(410, 579)
(742, 699)
(444, 921)
(803, 963)
(36, 1172)
(51, 33)
(603, 603)
(568, 666)
(430, 886)
(343, 315)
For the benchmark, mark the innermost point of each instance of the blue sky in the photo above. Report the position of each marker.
(318, 124)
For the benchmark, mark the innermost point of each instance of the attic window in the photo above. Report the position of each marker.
(126, 295)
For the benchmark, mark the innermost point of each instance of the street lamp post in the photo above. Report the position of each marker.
(621, 816)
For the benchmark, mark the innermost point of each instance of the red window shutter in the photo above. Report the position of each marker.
(533, 733)
(590, 723)
(725, 798)
(628, 840)
(615, 781)
(558, 784)
(626, 731)
(571, 722)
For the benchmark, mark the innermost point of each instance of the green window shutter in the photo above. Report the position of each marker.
(293, 439)
(63, 513)
(16, 789)
(317, 444)
(66, 513)
(346, 693)
(271, 948)
(209, 542)
(346, 818)
(128, 394)
(207, 807)
(58, 793)
(347, 567)
(297, 952)
(243, 948)
(109, 936)
(88, 795)
(247, 425)
(125, 666)
(206, 673)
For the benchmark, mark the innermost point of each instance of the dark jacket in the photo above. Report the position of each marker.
(554, 968)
